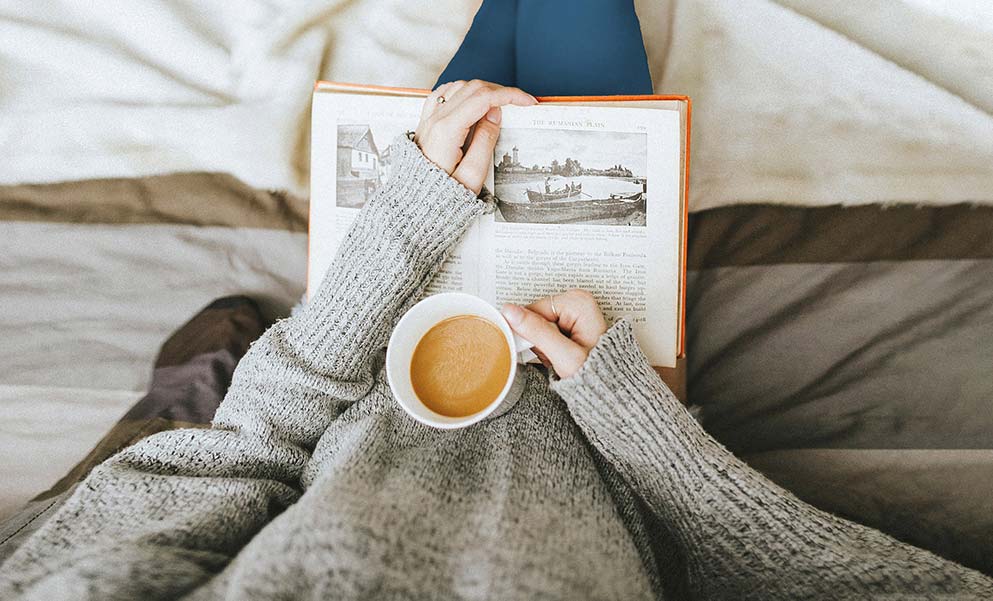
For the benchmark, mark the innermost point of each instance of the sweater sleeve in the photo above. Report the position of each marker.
(740, 535)
(176, 507)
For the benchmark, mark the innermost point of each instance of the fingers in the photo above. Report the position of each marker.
(543, 307)
(478, 88)
(577, 314)
(565, 355)
(470, 103)
(445, 90)
(478, 157)
(442, 152)
(444, 128)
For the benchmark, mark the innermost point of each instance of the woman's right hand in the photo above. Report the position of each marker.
(563, 328)
(445, 126)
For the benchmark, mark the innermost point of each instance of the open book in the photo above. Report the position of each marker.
(590, 193)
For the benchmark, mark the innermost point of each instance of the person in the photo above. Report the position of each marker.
(555, 48)
(313, 483)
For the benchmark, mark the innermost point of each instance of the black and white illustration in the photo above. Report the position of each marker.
(577, 177)
(363, 160)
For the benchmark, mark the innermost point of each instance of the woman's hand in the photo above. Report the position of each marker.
(471, 110)
(563, 328)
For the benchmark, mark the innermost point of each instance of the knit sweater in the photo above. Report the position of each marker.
(312, 483)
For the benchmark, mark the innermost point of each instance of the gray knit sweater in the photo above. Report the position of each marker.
(313, 484)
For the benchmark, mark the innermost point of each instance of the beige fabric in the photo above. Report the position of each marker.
(129, 89)
(85, 309)
(207, 199)
(45, 430)
(796, 101)
(934, 498)
(815, 103)
(313, 483)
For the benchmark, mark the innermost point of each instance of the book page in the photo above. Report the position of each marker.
(350, 160)
(588, 197)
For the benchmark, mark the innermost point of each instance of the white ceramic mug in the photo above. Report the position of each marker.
(411, 328)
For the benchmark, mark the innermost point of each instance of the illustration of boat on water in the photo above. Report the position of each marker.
(615, 207)
(569, 191)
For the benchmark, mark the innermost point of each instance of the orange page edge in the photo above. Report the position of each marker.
(318, 85)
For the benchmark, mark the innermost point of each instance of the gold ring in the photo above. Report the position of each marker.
(440, 99)
(555, 310)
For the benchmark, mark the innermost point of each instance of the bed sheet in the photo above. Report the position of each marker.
(45, 430)
(853, 368)
(796, 102)
(95, 275)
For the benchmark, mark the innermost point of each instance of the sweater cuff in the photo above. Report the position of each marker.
(416, 217)
(616, 382)
(392, 249)
(419, 203)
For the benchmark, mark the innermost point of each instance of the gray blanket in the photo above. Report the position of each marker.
(847, 352)
(311, 481)
(869, 326)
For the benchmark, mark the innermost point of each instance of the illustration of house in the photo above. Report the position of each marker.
(358, 155)
(360, 166)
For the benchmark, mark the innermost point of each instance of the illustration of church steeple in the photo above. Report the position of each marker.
(516, 162)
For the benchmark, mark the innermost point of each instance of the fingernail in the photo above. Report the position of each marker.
(512, 313)
(493, 115)
(533, 99)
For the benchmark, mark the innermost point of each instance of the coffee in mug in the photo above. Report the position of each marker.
(460, 365)
(452, 361)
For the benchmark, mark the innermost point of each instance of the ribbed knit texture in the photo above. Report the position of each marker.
(740, 535)
(313, 484)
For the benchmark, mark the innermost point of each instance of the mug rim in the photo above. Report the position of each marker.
(448, 422)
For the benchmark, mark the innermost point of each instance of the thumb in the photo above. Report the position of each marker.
(565, 355)
(475, 164)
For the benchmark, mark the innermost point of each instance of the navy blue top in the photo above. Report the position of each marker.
(555, 48)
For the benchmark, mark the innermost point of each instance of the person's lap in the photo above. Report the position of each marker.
(563, 48)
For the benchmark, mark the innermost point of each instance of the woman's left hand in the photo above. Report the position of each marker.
(444, 127)
(563, 328)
